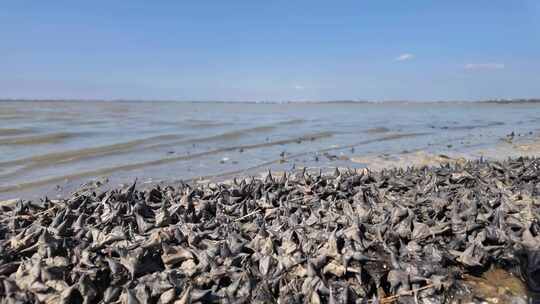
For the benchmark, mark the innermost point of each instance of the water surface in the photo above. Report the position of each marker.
(44, 144)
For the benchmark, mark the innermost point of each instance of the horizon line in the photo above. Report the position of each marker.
(357, 101)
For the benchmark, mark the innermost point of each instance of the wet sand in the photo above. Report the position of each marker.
(503, 150)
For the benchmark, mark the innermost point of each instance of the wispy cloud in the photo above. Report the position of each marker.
(484, 66)
(299, 87)
(404, 57)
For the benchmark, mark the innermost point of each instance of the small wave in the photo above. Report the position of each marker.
(151, 143)
(377, 130)
(239, 133)
(6, 117)
(91, 122)
(219, 137)
(85, 153)
(127, 167)
(161, 161)
(201, 123)
(211, 124)
(38, 139)
(10, 131)
(469, 127)
(293, 122)
(205, 123)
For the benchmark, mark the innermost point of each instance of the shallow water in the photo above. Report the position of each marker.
(44, 144)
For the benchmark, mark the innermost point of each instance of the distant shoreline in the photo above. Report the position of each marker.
(487, 101)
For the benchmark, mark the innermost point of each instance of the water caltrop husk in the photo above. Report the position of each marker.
(398, 235)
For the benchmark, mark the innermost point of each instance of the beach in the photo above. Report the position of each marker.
(287, 152)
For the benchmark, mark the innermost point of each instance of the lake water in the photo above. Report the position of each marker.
(44, 144)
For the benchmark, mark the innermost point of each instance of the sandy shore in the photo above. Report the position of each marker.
(505, 149)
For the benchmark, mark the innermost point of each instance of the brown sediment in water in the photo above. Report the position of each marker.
(378, 130)
(85, 153)
(37, 139)
(424, 235)
(13, 131)
(139, 145)
(134, 166)
(105, 171)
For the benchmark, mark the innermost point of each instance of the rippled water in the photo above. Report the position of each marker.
(43, 144)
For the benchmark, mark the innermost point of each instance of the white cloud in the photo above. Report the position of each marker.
(484, 66)
(404, 57)
(299, 87)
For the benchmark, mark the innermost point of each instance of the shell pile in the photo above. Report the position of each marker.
(399, 235)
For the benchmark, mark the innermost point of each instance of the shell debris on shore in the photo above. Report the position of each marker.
(414, 235)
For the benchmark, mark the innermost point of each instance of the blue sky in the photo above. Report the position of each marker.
(270, 50)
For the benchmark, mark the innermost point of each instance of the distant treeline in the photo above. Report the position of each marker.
(507, 101)
(491, 101)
